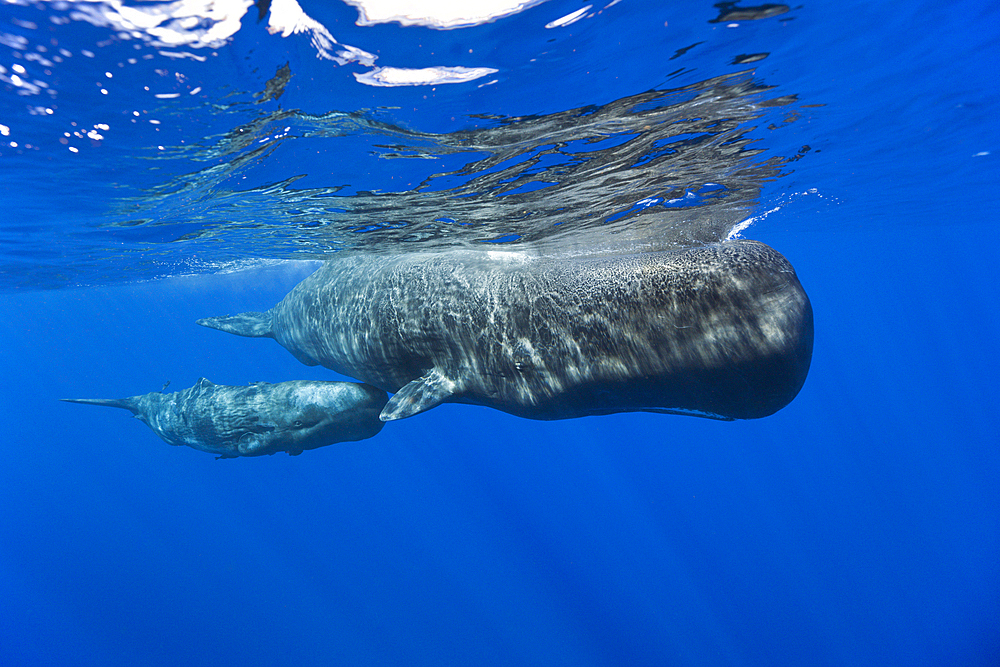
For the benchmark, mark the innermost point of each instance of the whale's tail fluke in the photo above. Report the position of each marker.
(127, 403)
(251, 325)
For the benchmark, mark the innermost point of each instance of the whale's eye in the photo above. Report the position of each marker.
(298, 423)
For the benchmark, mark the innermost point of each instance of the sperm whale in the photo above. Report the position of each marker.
(723, 331)
(258, 419)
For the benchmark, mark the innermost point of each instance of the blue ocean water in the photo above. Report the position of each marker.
(859, 525)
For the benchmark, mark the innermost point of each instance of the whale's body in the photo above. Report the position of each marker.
(722, 331)
(258, 419)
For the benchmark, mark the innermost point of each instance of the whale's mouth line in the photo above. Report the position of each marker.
(688, 412)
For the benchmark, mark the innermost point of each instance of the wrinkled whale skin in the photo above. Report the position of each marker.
(258, 419)
(722, 331)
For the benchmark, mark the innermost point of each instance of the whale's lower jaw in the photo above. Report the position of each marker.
(724, 395)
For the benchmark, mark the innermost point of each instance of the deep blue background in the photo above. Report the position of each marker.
(860, 525)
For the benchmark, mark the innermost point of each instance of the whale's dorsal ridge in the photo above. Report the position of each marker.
(419, 395)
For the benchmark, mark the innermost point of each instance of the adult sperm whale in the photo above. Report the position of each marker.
(722, 331)
(259, 419)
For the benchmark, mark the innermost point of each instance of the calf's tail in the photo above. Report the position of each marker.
(126, 403)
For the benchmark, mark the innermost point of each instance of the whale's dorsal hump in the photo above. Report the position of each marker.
(419, 395)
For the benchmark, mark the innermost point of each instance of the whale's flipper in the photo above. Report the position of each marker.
(127, 403)
(251, 325)
(419, 395)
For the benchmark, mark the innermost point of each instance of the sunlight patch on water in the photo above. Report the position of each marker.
(192, 23)
(569, 19)
(441, 14)
(427, 76)
(288, 18)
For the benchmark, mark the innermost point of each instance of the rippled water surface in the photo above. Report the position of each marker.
(186, 143)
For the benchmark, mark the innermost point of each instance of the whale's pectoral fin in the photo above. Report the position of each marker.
(419, 395)
(252, 325)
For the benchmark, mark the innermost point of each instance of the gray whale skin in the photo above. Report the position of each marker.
(723, 331)
(259, 419)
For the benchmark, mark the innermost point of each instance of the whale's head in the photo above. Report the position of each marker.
(307, 415)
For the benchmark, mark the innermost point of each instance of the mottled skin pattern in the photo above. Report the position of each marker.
(258, 419)
(722, 331)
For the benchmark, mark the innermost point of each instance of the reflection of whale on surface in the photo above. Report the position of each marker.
(722, 331)
(261, 418)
